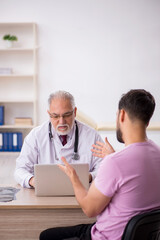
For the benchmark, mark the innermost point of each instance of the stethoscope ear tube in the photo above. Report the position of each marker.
(75, 155)
(50, 132)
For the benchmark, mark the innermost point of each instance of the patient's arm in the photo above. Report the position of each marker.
(92, 202)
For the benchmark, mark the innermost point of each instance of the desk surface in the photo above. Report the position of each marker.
(26, 199)
(28, 215)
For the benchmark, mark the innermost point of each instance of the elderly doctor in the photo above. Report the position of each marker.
(61, 136)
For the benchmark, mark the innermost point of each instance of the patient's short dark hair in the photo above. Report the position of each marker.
(139, 104)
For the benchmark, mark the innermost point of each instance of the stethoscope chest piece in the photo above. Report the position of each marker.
(75, 156)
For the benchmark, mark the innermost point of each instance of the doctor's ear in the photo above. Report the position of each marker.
(75, 111)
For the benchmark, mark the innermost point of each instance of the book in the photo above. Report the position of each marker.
(1, 115)
(23, 121)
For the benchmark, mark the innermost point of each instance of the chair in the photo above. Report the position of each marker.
(145, 226)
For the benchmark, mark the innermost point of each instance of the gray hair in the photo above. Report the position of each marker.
(62, 95)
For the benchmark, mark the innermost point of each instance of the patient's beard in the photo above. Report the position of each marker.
(119, 135)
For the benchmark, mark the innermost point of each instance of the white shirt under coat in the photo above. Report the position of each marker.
(39, 149)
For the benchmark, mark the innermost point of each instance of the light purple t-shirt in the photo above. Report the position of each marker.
(132, 178)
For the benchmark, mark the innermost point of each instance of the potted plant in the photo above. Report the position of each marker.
(10, 39)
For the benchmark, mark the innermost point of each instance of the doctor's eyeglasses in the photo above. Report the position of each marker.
(58, 116)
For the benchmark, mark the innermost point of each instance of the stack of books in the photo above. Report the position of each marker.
(22, 121)
(10, 141)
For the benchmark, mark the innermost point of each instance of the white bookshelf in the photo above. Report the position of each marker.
(18, 90)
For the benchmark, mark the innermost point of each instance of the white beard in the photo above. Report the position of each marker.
(63, 132)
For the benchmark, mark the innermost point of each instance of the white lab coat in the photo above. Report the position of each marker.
(39, 149)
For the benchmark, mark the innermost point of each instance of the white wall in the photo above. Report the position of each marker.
(96, 49)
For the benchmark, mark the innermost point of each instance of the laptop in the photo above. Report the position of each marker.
(50, 180)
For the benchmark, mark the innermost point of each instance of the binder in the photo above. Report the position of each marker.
(5, 142)
(17, 142)
(1, 142)
(20, 140)
(1, 115)
(10, 142)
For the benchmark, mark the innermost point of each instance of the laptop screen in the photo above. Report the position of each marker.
(50, 180)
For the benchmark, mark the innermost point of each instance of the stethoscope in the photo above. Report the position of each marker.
(75, 155)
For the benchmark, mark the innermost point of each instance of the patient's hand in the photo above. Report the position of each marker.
(102, 149)
(68, 170)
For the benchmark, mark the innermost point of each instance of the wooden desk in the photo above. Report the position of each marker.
(25, 217)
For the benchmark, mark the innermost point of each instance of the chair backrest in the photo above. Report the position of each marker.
(145, 226)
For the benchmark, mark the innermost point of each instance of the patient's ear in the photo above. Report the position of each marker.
(122, 115)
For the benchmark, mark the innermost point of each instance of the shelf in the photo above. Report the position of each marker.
(15, 154)
(154, 127)
(17, 126)
(5, 24)
(112, 127)
(17, 49)
(16, 76)
(16, 100)
(106, 126)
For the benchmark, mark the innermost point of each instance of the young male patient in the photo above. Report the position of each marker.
(128, 181)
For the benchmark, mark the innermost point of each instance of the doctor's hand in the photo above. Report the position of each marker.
(102, 149)
(31, 182)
